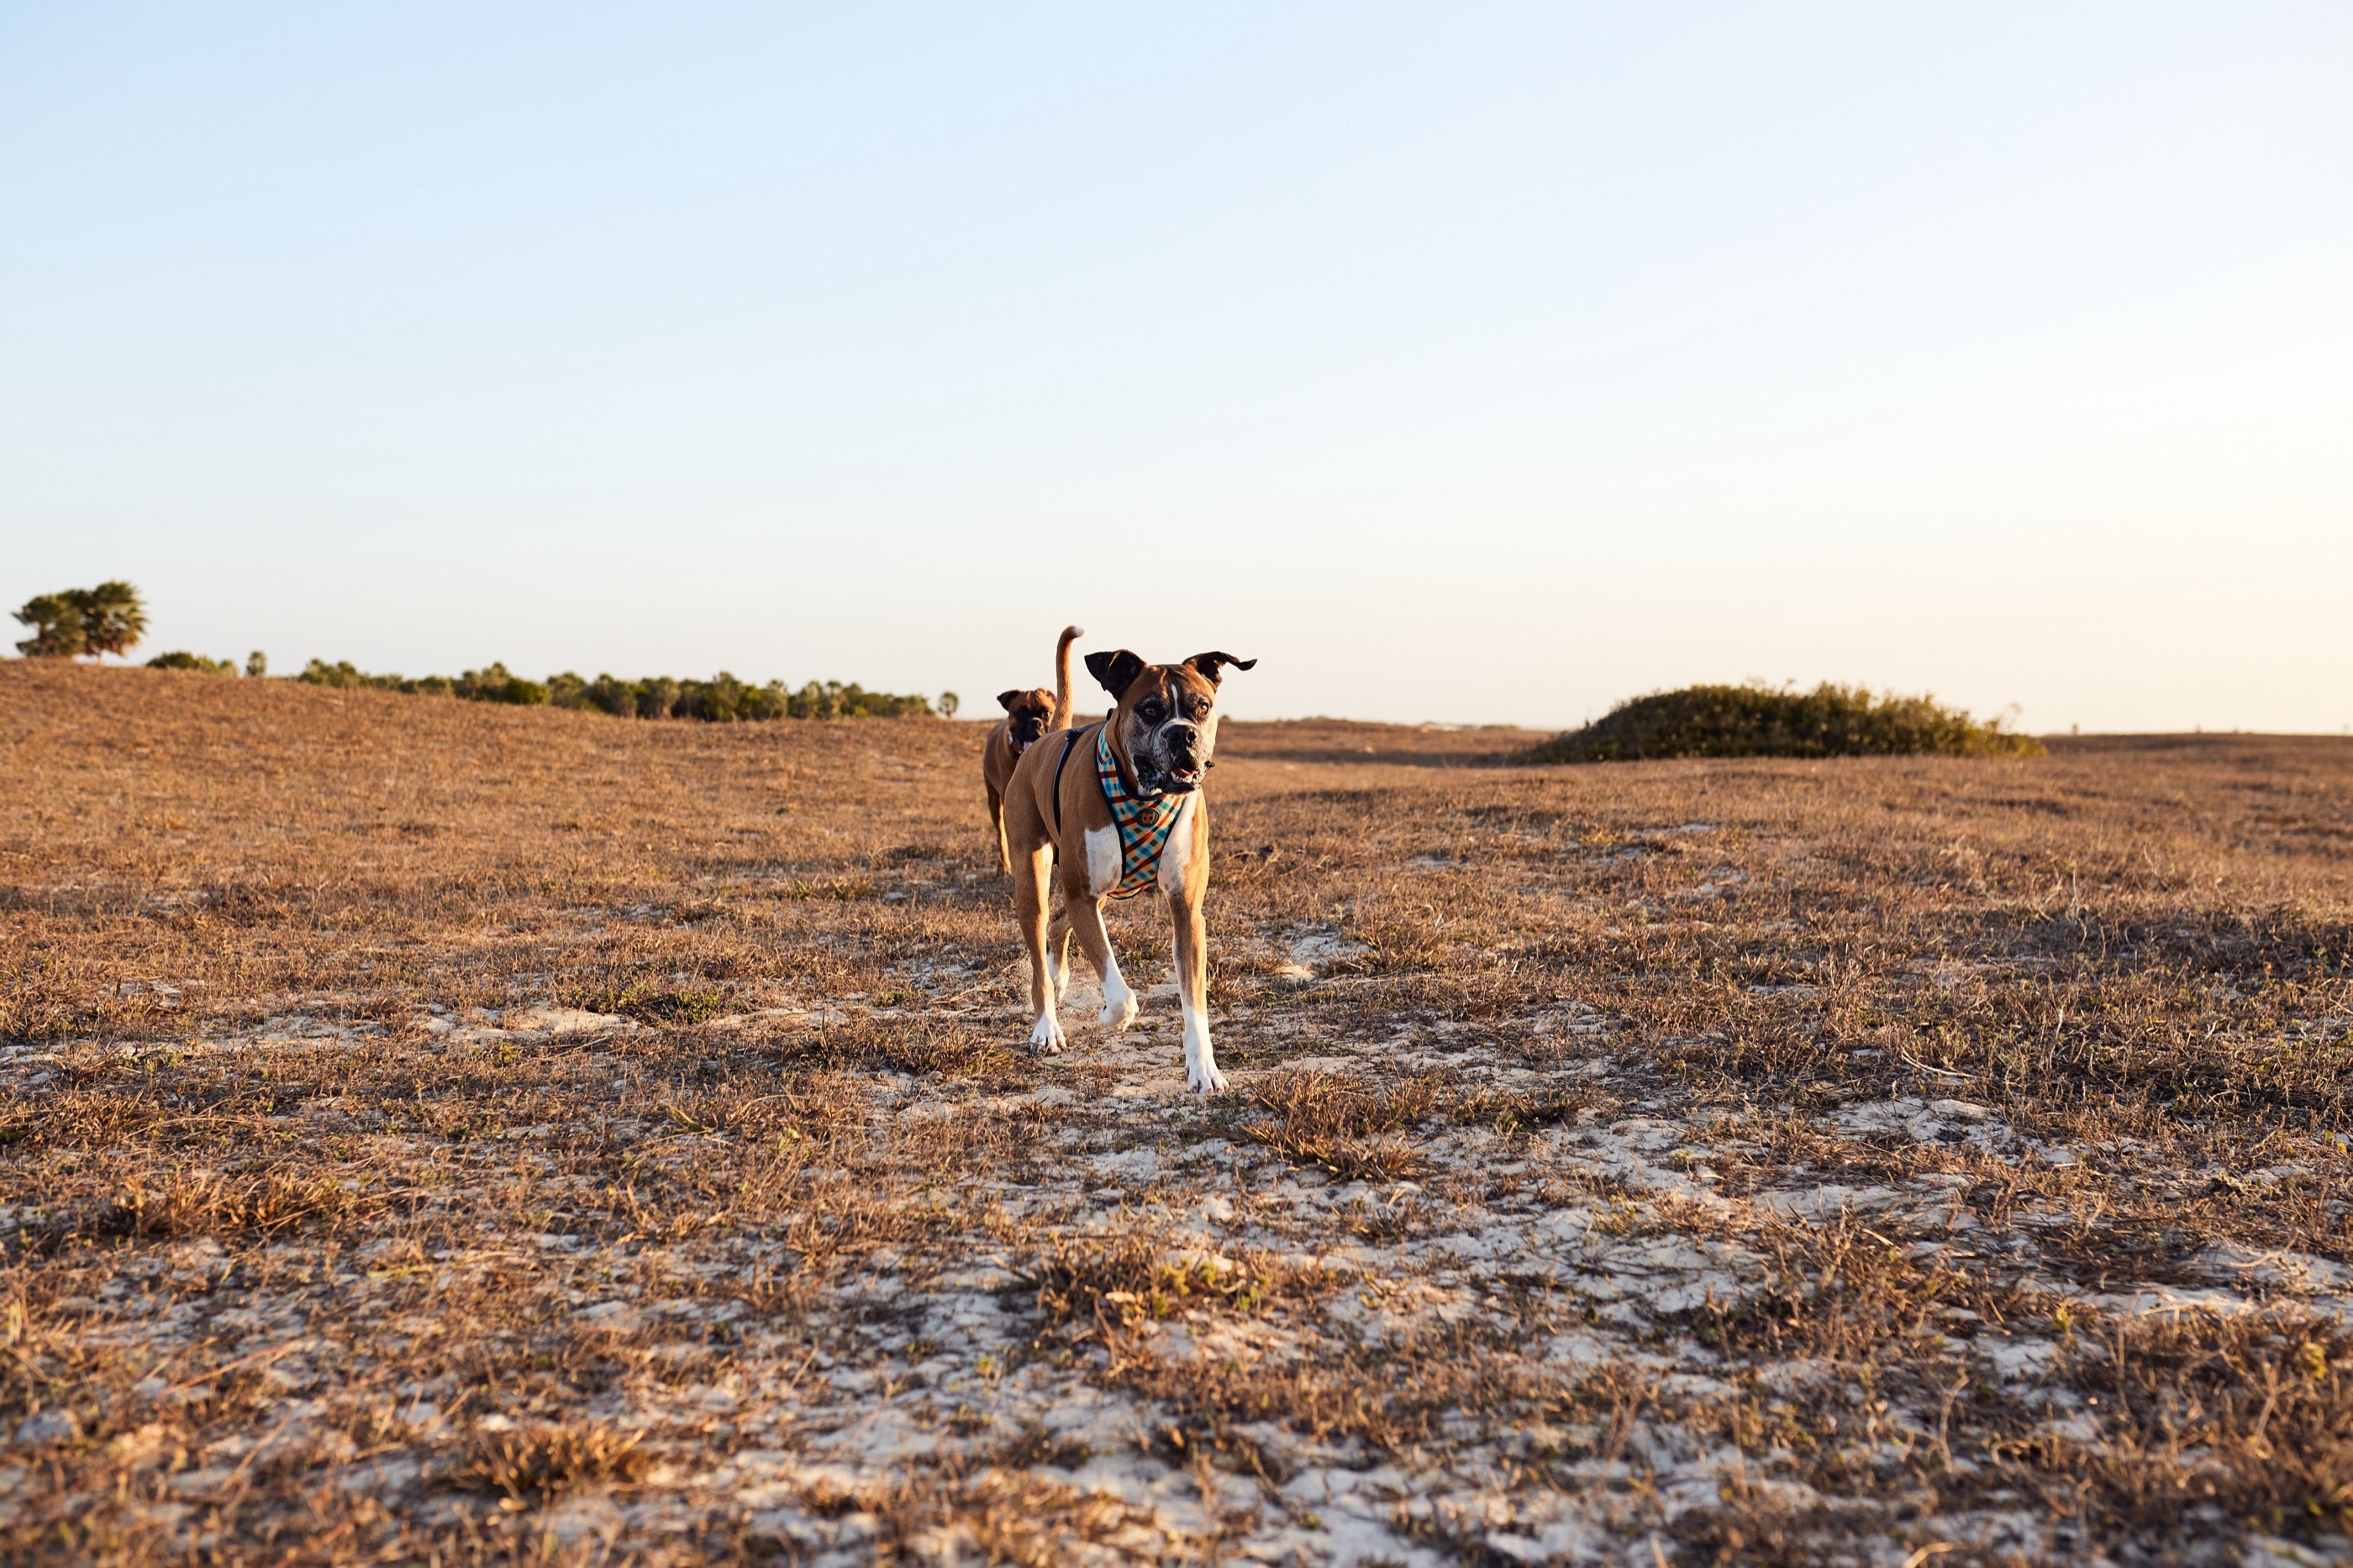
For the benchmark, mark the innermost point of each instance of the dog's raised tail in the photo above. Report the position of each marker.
(1062, 676)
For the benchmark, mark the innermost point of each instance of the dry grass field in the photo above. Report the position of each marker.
(444, 1133)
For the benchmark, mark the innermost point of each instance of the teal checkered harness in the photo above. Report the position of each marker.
(1144, 823)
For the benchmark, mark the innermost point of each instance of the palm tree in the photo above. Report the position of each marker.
(113, 618)
(57, 624)
(109, 619)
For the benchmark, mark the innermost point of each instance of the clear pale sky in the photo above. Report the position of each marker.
(1461, 363)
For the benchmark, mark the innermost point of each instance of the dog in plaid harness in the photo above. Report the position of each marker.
(1140, 821)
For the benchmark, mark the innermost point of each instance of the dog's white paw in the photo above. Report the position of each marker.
(1048, 1035)
(1118, 1011)
(1204, 1081)
(1059, 973)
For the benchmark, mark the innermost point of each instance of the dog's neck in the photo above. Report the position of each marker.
(1116, 744)
(1143, 822)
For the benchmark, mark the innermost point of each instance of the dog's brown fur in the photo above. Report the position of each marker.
(1028, 715)
(1162, 735)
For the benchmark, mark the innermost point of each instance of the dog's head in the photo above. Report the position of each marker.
(1167, 722)
(1027, 715)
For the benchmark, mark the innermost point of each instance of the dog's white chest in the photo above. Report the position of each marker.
(1103, 860)
(1177, 858)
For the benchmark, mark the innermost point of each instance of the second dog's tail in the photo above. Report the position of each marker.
(1062, 676)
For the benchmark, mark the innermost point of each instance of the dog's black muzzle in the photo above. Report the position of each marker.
(1181, 774)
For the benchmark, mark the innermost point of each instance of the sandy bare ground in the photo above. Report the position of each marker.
(442, 1132)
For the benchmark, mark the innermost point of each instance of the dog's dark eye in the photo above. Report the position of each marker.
(1150, 711)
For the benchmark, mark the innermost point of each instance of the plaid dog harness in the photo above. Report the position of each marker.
(1143, 825)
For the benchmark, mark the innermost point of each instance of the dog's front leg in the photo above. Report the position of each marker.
(1085, 914)
(1029, 908)
(1192, 945)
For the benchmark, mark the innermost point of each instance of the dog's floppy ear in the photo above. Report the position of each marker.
(1115, 672)
(1005, 699)
(1208, 663)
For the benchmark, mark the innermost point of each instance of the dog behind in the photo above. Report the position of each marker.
(1028, 715)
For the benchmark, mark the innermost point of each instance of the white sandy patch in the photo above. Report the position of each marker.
(559, 1021)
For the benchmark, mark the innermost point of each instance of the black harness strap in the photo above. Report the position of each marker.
(1069, 738)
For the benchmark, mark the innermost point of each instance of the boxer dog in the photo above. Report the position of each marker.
(1117, 807)
(1027, 715)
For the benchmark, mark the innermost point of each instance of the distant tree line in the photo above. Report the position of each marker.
(89, 623)
(721, 699)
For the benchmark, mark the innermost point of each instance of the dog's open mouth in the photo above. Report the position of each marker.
(1184, 777)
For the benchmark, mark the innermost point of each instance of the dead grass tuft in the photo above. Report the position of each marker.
(1120, 1281)
(997, 1513)
(1335, 1121)
(547, 1461)
(1843, 1293)
(920, 1043)
(191, 1202)
(2249, 1412)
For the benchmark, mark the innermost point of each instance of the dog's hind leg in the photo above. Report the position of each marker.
(1029, 891)
(1058, 950)
(1118, 997)
(997, 830)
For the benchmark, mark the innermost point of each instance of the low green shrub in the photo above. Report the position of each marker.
(722, 699)
(181, 659)
(319, 672)
(651, 1004)
(1759, 721)
(497, 685)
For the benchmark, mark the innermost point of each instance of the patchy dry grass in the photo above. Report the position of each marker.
(549, 1459)
(1336, 1121)
(434, 1131)
(1129, 1278)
